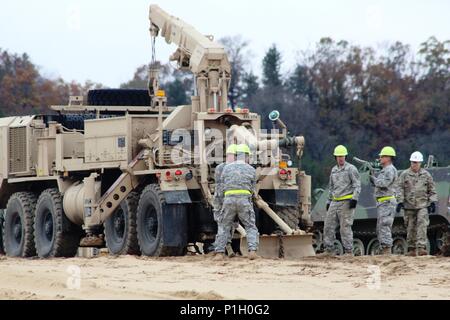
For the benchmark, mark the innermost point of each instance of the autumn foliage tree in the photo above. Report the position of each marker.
(23, 90)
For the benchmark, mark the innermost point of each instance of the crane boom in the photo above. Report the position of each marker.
(206, 59)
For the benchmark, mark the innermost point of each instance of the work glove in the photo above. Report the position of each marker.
(328, 206)
(400, 206)
(432, 208)
(353, 204)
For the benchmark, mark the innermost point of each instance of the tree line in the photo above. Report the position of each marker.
(336, 93)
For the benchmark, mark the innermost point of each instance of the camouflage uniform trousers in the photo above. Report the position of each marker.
(241, 206)
(217, 217)
(339, 214)
(417, 222)
(386, 216)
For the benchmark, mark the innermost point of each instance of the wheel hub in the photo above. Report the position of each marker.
(48, 226)
(17, 229)
(151, 223)
(119, 224)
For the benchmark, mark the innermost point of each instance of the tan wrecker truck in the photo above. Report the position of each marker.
(121, 169)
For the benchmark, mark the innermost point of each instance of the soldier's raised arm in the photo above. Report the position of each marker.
(356, 183)
(384, 179)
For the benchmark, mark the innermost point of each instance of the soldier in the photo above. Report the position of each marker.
(239, 184)
(418, 197)
(218, 192)
(385, 185)
(345, 186)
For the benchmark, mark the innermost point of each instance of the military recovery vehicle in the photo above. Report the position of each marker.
(364, 226)
(122, 169)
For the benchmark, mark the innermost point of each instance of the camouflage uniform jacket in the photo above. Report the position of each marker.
(385, 184)
(416, 190)
(344, 181)
(239, 176)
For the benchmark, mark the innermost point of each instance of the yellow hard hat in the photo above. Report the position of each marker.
(243, 148)
(232, 149)
(388, 152)
(340, 151)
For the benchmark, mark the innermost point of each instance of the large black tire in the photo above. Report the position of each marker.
(18, 232)
(161, 228)
(55, 235)
(2, 249)
(118, 97)
(290, 215)
(120, 228)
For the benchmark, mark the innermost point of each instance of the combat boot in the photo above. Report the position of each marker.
(253, 256)
(411, 252)
(386, 251)
(422, 252)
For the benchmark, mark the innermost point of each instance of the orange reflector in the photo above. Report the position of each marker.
(283, 165)
(160, 93)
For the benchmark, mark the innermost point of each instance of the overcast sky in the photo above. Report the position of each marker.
(105, 40)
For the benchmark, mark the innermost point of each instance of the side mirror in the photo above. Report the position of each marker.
(274, 115)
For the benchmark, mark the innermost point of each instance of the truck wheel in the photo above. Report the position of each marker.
(2, 249)
(118, 97)
(290, 215)
(120, 228)
(161, 228)
(18, 232)
(55, 235)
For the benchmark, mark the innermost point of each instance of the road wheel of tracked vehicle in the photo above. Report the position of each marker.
(154, 229)
(399, 246)
(439, 239)
(120, 228)
(358, 248)
(54, 233)
(18, 235)
(373, 248)
(290, 215)
(338, 249)
(118, 97)
(317, 240)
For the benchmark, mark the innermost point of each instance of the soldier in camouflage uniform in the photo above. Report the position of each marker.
(218, 193)
(385, 191)
(239, 185)
(418, 197)
(345, 187)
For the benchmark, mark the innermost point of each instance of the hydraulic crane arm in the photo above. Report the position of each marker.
(206, 59)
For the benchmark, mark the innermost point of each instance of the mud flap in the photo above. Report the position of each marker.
(175, 226)
(282, 246)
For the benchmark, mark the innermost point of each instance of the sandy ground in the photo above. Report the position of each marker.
(200, 277)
